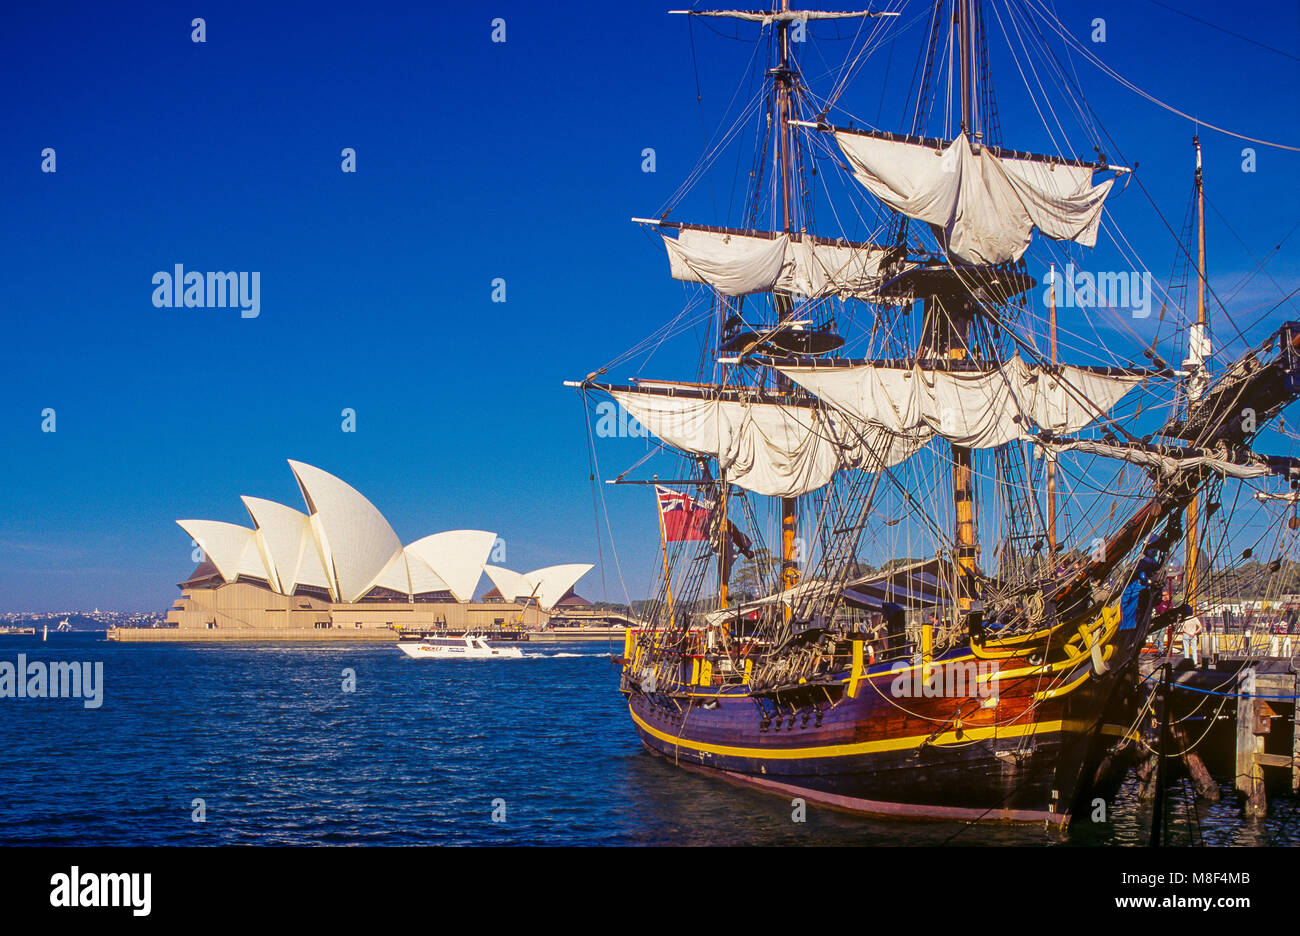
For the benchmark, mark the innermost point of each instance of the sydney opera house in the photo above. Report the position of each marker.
(339, 571)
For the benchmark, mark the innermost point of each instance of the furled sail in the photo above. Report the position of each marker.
(979, 408)
(768, 448)
(734, 265)
(782, 16)
(737, 264)
(813, 589)
(983, 205)
(1166, 463)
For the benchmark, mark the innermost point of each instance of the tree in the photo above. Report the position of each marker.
(756, 577)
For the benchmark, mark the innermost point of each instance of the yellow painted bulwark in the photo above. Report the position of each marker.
(855, 674)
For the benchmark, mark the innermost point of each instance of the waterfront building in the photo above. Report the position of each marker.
(339, 571)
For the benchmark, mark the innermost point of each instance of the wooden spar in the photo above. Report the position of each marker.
(1200, 237)
(798, 237)
(695, 481)
(961, 23)
(964, 510)
(939, 143)
(963, 488)
(789, 505)
(724, 551)
(1051, 459)
(1195, 382)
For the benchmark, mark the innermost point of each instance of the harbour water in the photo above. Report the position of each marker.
(420, 753)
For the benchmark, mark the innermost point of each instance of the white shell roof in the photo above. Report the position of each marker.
(554, 581)
(281, 532)
(356, 542)
(395, 576)
(346, 546)
(456, 557)
(547, 585)
(423, 578)
(232, 548)
(288, 545)
(510, 584)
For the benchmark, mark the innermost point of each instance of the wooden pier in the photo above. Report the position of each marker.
(1249, 685)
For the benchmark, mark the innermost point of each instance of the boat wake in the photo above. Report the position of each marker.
(561, 656)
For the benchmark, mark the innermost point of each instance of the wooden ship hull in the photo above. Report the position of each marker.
(1020, 740)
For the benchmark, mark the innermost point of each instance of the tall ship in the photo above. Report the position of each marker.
(929, 498)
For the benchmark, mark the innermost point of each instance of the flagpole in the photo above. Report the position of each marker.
(663, 541)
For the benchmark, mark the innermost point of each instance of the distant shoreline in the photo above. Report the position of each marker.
(302, 636)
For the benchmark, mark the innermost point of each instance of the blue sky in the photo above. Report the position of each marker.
(476, 160)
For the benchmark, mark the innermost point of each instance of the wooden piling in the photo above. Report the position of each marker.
(1249, 770)
(1295, 738)
(1147, 778)
(1205, 786)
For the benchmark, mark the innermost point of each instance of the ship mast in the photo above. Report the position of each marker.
(724, 548)
(785, 303)
(1197, 352)
(1051, 458)
(963, 489)
(783, 76)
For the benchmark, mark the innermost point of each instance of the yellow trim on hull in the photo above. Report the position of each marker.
(1063, 690)
(861, 747)
(1043, 670)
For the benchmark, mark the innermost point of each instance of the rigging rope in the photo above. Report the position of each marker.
(1064, 33)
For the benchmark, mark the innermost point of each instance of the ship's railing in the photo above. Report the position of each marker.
(689, 664)
(1249, 644)
(885, 647)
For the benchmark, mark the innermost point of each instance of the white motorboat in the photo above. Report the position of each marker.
(468, 647)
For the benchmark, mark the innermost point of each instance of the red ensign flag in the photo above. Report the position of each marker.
(683, 517)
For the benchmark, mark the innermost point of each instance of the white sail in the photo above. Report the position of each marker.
(733, 264)
(812, 589)
(816, 270)
(738, 264)
(985, 205)
(977, 409)
(1165, 464)
(767, 448)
